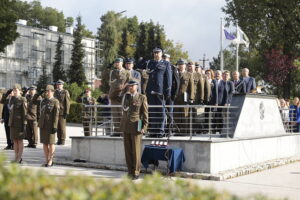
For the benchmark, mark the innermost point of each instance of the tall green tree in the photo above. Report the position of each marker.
(43, 79)
(76, 72)
(269, 24)
(8, 28)
(108, 34)
(58, 67)
(141, 42)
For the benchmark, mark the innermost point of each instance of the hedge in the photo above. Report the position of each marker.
(75, 113)
(26, 184)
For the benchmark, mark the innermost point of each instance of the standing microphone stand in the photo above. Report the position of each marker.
(172, 122)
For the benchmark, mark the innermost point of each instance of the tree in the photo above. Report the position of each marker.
(175, 51)
(269, 25)
(42, 17)
(58, 68)
(76, 72)
(142, 41)
(278, 67)
(43, 79)
(108, 34)
(8, 28)
(69, 21)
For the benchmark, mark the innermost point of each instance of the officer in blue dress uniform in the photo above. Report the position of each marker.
(250, 81)
(158, 90)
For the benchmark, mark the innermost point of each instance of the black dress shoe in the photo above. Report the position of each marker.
(135, 177)
(58, 143)
(8, 148)
(20, 161)
(33, 146)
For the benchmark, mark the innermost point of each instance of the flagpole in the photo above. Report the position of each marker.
(221, 47)
(237, 48)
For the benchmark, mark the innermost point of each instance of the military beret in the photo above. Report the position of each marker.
(132, 82)
(17, 86)
(180, 62)
(157, 50)
(117, 60)
(59, 82)
(130, 60)
(50, 87)
(166, 55)
(33, 87)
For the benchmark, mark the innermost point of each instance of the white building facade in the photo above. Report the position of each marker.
(22, 61)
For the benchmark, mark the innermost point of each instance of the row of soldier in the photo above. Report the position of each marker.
(183, 84)
(25, 110)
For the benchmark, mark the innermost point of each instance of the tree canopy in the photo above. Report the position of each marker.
(8, 28)
(272, 26)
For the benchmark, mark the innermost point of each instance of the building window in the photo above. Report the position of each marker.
(48, 55)
(19, 50)
(3, 80)
(34, 52)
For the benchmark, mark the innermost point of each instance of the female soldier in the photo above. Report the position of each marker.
(48, 124)
(17, 121)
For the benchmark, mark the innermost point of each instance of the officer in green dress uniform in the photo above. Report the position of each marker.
(48, 124)
(17, 120)
(63, 97)
(134, 124)
(117, 82)
(32, 117)
(89, 114)
(185, 96)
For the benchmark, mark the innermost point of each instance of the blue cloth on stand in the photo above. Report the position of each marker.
(152, 154)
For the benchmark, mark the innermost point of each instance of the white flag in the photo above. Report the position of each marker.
(242, 38)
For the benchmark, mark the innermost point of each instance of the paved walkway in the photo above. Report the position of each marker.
(279, 182)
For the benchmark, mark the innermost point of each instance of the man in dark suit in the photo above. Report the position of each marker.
(218, 93)
(239, 84)
(250, 81)
(5, 118)
(134, 75)
(229, 88)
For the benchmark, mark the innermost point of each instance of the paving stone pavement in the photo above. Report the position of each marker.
(280, 182)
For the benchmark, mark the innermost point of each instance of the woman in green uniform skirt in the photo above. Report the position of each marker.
(17, 120)
(48, 124)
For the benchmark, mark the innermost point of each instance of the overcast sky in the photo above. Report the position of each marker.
(195, 23)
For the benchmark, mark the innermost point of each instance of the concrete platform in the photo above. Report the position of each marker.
(203, 155)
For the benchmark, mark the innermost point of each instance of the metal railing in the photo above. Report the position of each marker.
(289, 120)
(176, 120)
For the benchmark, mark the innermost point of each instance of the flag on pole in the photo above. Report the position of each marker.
(228, 35)
(242, 37)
